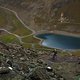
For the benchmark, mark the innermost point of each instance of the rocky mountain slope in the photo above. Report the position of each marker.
(46, 14)
(19, 63)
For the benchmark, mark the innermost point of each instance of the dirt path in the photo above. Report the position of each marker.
(18, 37)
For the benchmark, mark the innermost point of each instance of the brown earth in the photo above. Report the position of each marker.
(45, 14)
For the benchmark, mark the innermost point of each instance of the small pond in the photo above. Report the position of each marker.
(59, 41)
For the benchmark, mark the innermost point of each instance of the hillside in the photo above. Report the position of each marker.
(13, 30)
(19, 63)
(44, 14)
(22, 53)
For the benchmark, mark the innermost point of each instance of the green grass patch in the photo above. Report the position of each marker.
(7, 38)
(36, 46)
(30, 39)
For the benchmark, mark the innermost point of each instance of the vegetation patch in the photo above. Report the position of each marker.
(8, 20)
(30, 39)
(8, 38)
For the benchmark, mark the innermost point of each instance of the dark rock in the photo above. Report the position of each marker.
(54, 55)
(40, 61)
(24, 67)
(39, 74)
(32, 65)
(9, 62)
(4, 70)
(79, 62)
(52, 74)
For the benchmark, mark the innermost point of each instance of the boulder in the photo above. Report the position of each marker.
(4, 70)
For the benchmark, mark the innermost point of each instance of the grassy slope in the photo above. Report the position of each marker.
(30, 39)
(7, 38)
(9, 21)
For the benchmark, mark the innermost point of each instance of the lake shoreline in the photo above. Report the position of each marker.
(58, 33)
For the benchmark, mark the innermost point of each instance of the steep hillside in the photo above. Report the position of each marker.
(45, 14)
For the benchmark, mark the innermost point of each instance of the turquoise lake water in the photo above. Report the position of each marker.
(60, 41)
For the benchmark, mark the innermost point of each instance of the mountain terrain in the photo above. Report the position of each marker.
(46, 14)
(22, 57)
